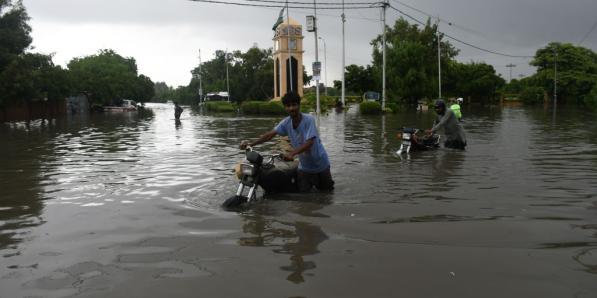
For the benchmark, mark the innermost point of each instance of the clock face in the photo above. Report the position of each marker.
(292, 44)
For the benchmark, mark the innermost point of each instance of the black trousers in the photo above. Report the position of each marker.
(322, 181)
(455, 144)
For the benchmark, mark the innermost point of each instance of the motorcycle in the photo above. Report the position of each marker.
(268, 171)
(412, 142)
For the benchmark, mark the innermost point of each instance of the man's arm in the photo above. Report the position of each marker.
(262, 139)
(304, 147)
(442, 121)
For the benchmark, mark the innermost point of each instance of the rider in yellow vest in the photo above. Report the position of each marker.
(455, 107)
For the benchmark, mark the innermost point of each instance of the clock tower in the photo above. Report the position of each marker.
(288, 58)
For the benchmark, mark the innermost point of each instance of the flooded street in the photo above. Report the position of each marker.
(119, 205)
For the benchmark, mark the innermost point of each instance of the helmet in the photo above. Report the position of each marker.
(459, 100)
(440, 103)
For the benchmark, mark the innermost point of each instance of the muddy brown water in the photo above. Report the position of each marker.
(120, 205)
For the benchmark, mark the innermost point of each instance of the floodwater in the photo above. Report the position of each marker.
(120, 205)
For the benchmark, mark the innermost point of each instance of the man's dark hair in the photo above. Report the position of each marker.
(290, 98)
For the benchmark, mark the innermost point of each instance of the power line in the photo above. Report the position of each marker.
(459, 40)
(448, 22)
(588, 33)
(281, 5)
(318, 3)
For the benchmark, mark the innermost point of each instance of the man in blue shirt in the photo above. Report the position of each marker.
(314, 165)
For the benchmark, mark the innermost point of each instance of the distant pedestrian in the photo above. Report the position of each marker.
(177, 111)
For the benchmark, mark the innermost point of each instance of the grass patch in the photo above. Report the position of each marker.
(219, 106)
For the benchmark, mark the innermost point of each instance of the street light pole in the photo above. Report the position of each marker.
(383, 82)
(200, 85)
(318, 110)
(227, 78)
(325, 61)
(555, 77)
(511, 66)
(343, 56)
(439, 62)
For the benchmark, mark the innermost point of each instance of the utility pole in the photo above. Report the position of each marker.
(325, 61)
(343, 56)
(200, 85)
(555, 77)
(318, 110)
(383, 82)
(439, 62)
(227, 78)
(510, 66)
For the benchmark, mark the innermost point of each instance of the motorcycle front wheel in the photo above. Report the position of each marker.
(234, 202)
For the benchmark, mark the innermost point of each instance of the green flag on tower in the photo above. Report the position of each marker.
(280, 19)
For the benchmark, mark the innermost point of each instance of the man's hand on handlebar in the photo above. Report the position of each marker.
(244, 144)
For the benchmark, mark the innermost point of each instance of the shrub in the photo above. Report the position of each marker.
(272, 108)
(370, 107)
(219, 106)
(263, 107)
(392, 106)
(532, 95)
(250, 107)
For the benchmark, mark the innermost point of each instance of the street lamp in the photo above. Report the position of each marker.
(325, 62)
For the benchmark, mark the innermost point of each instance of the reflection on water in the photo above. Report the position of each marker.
(73, 190)
(298, 239)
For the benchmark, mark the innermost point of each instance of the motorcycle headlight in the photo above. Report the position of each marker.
(406, 136)
(247, 169)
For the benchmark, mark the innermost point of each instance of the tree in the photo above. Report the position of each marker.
(109, 78)
(14, 31)
(162, 92)
(576, 70)
(411, 65)
(25, 77)
(474, 80)
(250, 75)
(358, 79)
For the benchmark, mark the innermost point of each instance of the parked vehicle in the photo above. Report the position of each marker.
(126, 106)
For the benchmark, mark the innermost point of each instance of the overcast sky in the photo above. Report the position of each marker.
(164, 36)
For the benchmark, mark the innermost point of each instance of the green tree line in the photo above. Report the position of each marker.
(106, 77)
(571, 69)
(412, 71)
(250, 76)
(412, 68)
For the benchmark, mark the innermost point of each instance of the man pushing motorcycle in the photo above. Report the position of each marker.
(447, 120)
(314, 165)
